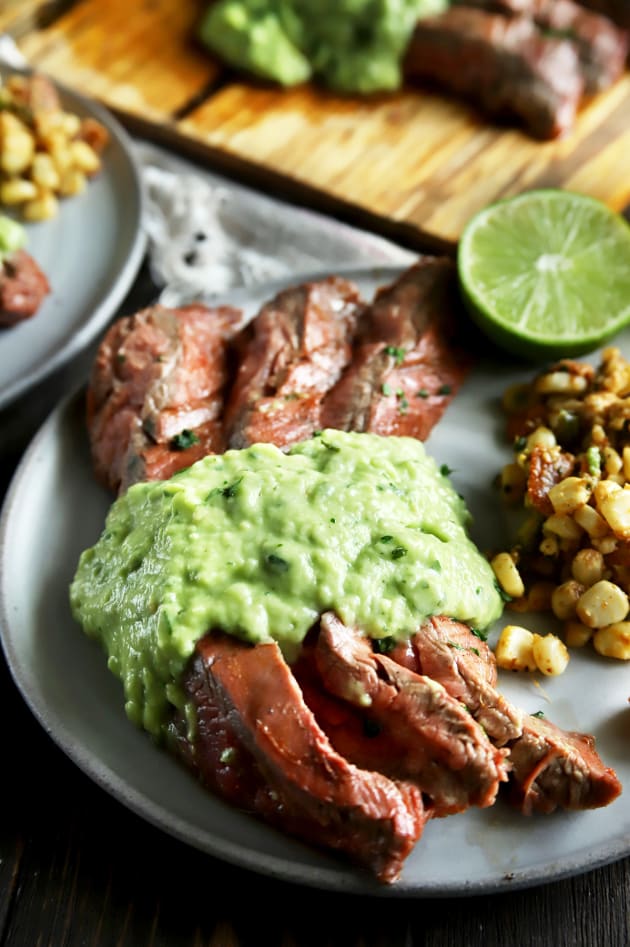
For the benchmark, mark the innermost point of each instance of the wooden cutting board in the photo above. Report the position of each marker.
(413, 166)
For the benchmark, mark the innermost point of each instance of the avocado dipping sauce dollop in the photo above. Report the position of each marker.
(349, 45)
(259, 543)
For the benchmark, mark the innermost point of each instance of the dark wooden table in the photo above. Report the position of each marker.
(77, 868)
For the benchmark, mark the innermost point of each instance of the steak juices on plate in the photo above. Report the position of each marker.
(343, 707)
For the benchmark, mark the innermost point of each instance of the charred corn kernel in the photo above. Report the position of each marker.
(72, 182)
(84, 157)
(569, 494)
(539, 596)
(550, 654)
(602, 490)
(537, 599)
(44, 173)
(17, 145)
(563, 526)
(70, 123)
(591, 522)
(61, 156)
(555, 383)
(549, 546)
(588, 567)
(606, 544)
(17, 190)
(514, 650)
(613, 641)
(612, 460)
(541, 437)
(507, 575)
(615, 509)
(513, 482)
(576, 635)
(42, 207)
(602, 604)
(565, 598)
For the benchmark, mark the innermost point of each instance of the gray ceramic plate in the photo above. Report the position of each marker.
(54, 510)
(91, 252)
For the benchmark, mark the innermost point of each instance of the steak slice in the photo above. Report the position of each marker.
(450, 653)
(503, 64)
(156, 391)
(601, 46)
(407, 365)
(258, 745)
(292, 353)
(554, 768)
(435, 741)
(23, 287)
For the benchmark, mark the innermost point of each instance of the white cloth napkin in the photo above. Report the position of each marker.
(207, 235)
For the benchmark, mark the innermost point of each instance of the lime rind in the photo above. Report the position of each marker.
(547, 273)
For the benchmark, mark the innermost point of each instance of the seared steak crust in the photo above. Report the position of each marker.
(448, 652)
(407, 364)
(504, 64)
(554, 768)
(439, 745)
(292, 353)
(156, 392)
(602, 47)
(259, 745)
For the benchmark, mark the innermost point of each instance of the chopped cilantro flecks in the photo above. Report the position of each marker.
(395, 352)
(386, 539)
(399, 552)
(384, 645)
(184, 439)
(228, 491)
(445, 389)
(539, 713)
(386, 389)
(445, 470)
(520, 443)
(276, 563)
(456, 645)
(423, 393)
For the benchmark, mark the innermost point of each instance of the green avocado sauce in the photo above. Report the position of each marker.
(350, 45)
(259, 543)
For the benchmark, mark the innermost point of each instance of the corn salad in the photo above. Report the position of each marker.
(570, 479)
(46, 153)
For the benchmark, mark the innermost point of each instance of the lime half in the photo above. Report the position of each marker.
(547, 273)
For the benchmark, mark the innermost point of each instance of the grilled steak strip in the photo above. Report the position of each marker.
(438, 744)
(23, 287)
(407, 364)
(554, 768)
(156, 392)
(549, 768)
(448, 652)
(292, 353)
(601, 46)
(258, 744)
(504, 64)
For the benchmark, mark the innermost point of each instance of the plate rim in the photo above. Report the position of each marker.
(115, 291)
(344, 878)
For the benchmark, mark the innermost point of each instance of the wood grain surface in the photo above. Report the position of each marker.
(416, 160)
